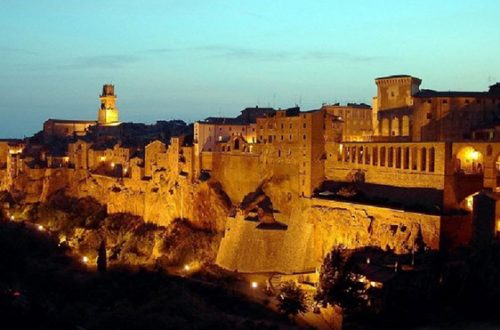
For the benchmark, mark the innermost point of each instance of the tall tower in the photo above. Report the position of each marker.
(108, 112)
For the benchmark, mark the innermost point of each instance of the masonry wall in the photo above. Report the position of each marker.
(314, 227)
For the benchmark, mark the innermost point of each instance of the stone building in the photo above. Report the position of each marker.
(355, 119)
(108, 115)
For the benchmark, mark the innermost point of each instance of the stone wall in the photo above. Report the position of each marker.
(314, 227)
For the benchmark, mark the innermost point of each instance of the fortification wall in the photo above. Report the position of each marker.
(314, 227)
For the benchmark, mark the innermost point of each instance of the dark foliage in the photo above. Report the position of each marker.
(41, 287)
(291, 299)
(336, 287)
(102, 262)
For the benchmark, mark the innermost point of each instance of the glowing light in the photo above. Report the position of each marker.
(102, 158)
(187, 268)
(373, 284)
(474, 155)
(12, 217)
(368, 261)
(85, 259)
(254, 285)
(112, 165)
(40, 228)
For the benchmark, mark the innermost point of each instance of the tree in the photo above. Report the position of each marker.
(101, 258)
(292, 299)
(336, 283)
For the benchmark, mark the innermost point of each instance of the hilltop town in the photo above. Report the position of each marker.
(417, 168)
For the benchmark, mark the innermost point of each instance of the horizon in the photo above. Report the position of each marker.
(193, 60)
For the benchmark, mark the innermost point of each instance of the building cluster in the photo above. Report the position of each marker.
(412, 148)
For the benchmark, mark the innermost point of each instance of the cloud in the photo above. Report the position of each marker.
(101, 62)
(341, 56)
(17, 51)
(242, 53)
(80, 63)
(158, 50)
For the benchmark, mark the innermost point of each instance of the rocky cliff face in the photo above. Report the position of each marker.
(266, 227)
(160, 200)
(313, 227)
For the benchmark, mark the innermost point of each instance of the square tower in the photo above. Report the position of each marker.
(108, 112)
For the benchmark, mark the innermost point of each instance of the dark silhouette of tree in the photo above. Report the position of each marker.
(292, 299)
(336, 283)
(102, 263)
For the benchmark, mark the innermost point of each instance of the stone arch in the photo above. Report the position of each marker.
(423, 159)
(395, 126)
(469, 161)
(385, 127)
(405, 126)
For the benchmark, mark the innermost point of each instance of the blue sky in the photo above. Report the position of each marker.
(191, 59)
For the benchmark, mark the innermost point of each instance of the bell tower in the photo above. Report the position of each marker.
(108, 113)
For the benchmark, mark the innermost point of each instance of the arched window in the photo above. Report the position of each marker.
(423, 159)
(431, 159)
(398, 157)
(375, 156)
(395, 126)
(390, 157)
(406, 158)
(414, 158)
(405, 126)
(360, 155)
(385, 127)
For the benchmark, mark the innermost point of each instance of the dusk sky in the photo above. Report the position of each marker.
(193, 59)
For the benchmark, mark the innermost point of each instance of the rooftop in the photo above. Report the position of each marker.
(71, 121)
(397, 76)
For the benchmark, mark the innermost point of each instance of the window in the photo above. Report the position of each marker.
(304, 125)
(398, 157)
(431, 159)
(423, 159)
(406, 160)
(375, 155)
(390, 157)
(429, 115)
(304, 137)
(382, 156)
